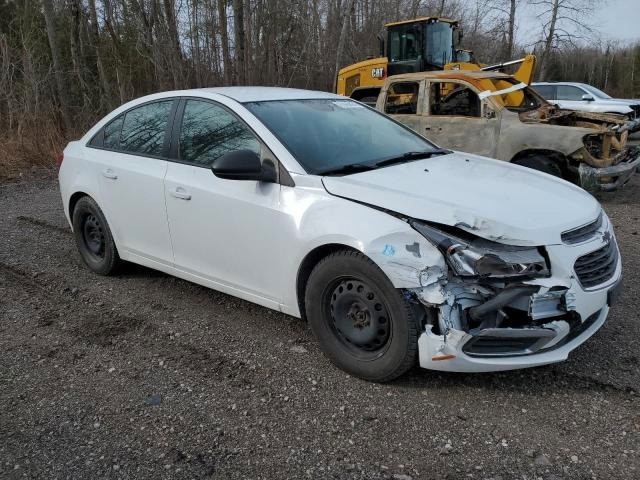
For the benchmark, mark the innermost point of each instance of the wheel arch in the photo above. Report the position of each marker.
(307, 265)
(554, 155)
(73, 201)
(530, 152)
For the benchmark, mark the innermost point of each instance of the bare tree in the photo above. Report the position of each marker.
(50, 22)
(563, 21)
(348, 10)
(238, 29)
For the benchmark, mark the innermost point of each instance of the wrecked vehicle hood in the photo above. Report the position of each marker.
(489, 198)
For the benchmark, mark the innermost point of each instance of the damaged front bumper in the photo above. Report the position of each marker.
(562, 311)
(611, 178)
(447, 353)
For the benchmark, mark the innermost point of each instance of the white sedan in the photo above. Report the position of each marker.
(395, 251)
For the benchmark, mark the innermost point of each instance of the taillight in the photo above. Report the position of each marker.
(60, 159)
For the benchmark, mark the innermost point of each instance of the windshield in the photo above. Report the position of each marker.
(330, 134)
(594, 91)
(439, 45)
(404, 43)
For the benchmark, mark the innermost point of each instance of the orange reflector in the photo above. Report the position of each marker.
(442, 357)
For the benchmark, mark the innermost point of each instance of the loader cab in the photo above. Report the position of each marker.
(421, 44)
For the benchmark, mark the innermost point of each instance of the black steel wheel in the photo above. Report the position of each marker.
(93, 237)
(359, 316)
(361, 321)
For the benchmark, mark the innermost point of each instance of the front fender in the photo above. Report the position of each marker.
(405, 256)
(517, 136)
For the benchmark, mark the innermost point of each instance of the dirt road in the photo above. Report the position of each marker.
(147, 376)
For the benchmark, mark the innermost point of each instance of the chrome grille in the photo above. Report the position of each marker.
(597, 267)
(581, 234)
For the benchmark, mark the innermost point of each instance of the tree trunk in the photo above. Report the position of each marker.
(224, 39)
(511, 29)
(441, 10)
(544, 60)
(342, 40)
(176, 56)
(238, 29)
(49, 18)
(95, 38)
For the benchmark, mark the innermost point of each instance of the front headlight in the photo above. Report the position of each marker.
(471, 256)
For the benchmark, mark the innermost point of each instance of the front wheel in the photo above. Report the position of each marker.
(362, 323)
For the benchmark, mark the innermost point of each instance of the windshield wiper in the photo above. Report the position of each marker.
(347, 169)
(409, 156)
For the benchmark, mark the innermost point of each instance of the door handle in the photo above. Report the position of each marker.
(108, 173)
(180, 193)
(427, 128)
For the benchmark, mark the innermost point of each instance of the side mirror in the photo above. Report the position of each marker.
(587, 98)
(460, 35)
(244, 165)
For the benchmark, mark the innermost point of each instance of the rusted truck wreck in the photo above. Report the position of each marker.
(493, 115)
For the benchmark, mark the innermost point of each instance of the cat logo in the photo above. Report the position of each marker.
(377, 72)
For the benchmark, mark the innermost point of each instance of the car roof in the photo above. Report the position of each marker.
(573, 84)
(258, 94)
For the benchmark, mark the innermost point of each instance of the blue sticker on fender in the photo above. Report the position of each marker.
(388, 250)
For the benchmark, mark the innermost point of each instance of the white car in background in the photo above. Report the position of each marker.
(583, 97)
(315, 205)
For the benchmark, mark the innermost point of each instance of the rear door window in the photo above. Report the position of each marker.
(567, 92)
(402, 98)
(144, 128)
(546, 91)
(210, 131)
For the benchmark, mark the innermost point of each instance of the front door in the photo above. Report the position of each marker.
(570, 97)
(456, 118)
(225, 231)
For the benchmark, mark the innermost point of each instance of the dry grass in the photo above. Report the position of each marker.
(35, 142)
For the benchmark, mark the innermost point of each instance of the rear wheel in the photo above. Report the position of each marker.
(93, 237)
(542, 164)
(361, 321)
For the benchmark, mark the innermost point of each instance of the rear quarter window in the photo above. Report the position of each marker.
(111, 138)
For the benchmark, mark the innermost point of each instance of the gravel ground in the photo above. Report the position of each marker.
(147, 376)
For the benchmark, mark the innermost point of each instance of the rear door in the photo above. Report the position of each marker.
(548, 92)
(402, 101)
(131, 157)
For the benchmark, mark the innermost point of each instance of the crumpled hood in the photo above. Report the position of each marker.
(489, 198)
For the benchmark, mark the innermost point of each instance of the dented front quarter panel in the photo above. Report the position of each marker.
(320, 219)
(407, 258)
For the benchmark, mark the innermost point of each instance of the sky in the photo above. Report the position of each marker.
(617, 19)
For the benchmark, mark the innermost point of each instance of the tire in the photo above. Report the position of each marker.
(542, 164)
(93, 238)
(362, 323)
